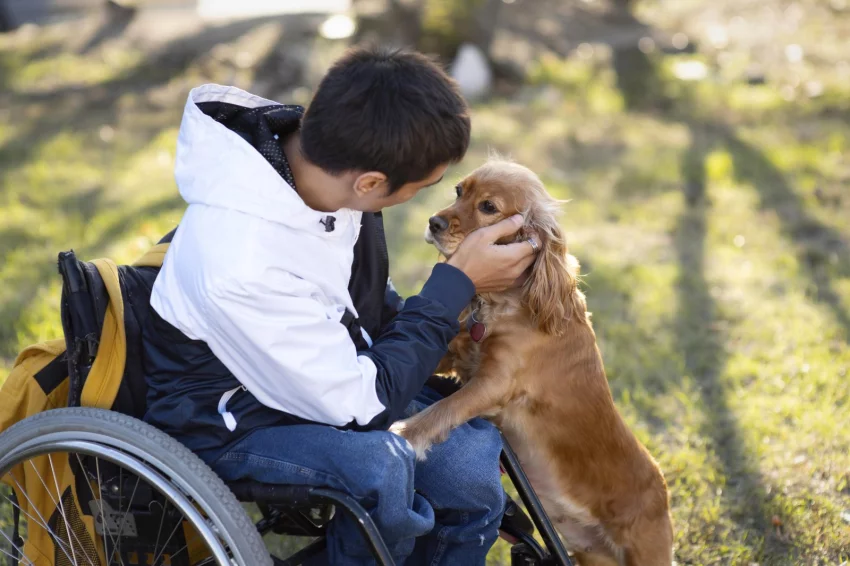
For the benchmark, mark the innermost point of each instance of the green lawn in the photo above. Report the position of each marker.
(713, 230)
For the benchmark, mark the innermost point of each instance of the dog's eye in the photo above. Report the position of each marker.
(487, 207)
(458, 191)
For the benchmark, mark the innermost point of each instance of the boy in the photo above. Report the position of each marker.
(273, 316)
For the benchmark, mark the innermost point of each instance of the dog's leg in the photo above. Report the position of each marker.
(483, 395)
(649, 557)
(588, 559)
(652, 542)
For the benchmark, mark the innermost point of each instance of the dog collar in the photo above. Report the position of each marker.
(476, 328)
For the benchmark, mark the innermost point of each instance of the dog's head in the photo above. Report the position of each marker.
(497, 190)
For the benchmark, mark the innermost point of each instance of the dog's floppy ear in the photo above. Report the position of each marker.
(551, 293)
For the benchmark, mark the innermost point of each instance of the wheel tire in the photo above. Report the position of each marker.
(159, 451)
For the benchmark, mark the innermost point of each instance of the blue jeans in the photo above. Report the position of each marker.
(443, 511)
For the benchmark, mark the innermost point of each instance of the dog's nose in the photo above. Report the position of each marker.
(437, 224)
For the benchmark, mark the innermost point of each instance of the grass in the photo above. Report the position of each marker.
(712, 229)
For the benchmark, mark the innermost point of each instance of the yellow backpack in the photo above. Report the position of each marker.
(43, 379)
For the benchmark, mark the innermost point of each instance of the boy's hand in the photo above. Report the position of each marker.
(493, 267)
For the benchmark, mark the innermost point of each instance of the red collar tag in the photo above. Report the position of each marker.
(477, 331)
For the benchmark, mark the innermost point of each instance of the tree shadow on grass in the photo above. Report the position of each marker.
(85, 108)
(701, 340)
(819, 248)
(114, 20)
(698, 325)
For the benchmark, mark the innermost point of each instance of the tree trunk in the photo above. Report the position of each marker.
(637, 77)
(437, 27)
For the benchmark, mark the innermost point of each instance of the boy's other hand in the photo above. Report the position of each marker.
(495, 267)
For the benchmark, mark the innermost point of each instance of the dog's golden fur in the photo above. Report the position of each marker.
(538, 375)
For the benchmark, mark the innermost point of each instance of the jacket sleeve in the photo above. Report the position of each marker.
(393, 303)
(288, 348)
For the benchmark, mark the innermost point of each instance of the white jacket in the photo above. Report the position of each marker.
(253, 273)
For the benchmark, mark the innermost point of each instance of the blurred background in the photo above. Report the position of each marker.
(703, 145)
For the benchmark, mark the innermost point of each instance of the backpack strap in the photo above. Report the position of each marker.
(153, 257)
(53, 347)
(106, 373)
(352, 324)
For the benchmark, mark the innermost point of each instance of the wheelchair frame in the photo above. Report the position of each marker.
(526, 552)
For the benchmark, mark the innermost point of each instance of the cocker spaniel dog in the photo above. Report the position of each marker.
(527, 359)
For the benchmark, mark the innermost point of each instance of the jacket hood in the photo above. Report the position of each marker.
(216, 166)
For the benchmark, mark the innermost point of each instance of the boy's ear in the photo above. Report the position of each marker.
(369, 182)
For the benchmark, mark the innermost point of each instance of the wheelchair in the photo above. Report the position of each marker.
(132, 495)
(154, 502)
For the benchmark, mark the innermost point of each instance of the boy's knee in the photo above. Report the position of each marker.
(387, 455)
(381, 477)
(476, 447)
(463, 473)
(485, 484)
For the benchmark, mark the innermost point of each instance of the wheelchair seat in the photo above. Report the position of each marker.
(305, 511)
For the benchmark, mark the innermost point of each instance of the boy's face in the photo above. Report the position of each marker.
(371, 190)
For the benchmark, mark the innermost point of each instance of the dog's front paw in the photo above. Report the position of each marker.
(414, 435)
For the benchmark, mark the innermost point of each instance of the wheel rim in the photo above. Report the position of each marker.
(115, 525)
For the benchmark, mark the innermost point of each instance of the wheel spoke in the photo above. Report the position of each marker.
(91, 492)
(123, 522)
(174, 530)
(62, 510)
(103, 516)
(43, 523)
(209, 560)
(36, 522)
(14, 546)
(120, 499)
(12, 556)
(161, 521)
(181, 549)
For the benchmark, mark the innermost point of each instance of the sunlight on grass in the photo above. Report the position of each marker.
(70, 69)
(40, 59)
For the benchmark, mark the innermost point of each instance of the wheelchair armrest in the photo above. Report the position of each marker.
(290, 495)
(515, 522)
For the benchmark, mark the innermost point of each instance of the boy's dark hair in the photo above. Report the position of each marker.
(385, 110)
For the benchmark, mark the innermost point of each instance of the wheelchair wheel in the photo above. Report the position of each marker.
(102, 488)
